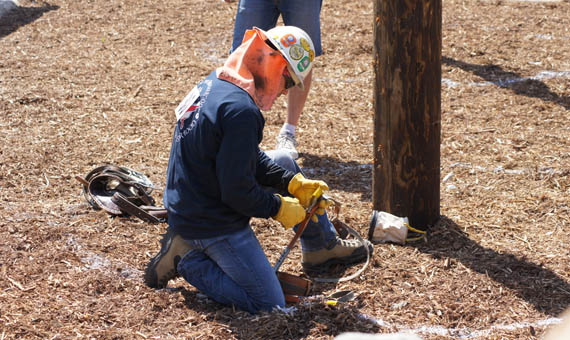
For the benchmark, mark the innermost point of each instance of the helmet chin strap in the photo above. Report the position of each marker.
(256, 68)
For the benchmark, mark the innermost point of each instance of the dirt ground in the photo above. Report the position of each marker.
(84, 83)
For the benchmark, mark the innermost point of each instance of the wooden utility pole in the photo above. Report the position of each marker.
(407, 109)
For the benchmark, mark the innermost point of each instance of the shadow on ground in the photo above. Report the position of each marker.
(348, 176)
(316, 318)
(496, 75)
(13, 17)
(537, 285)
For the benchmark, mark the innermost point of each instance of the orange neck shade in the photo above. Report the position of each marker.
(256, 68)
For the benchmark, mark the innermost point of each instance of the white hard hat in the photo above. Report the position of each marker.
(297, 48)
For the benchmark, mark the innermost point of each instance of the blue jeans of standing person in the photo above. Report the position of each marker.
(233, 269)
(304, 14)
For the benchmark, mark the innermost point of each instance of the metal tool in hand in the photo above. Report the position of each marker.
(316, 198)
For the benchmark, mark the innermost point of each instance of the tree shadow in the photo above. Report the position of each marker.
(298, 324)
(494, 74)
(348, 176)
(13, 17)
(537, 285)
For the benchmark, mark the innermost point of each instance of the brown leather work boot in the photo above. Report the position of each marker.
(341, 252)
(162, 267)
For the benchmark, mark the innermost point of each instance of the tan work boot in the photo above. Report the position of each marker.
(162, 267)
(342, 252)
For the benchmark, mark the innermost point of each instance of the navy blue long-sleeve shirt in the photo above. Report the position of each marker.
(216, 169)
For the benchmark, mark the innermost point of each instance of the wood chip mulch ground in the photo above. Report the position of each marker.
(84, 83)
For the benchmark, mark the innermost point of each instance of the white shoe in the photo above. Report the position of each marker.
(286, 141)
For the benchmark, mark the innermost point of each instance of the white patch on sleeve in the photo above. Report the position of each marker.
(190, 99)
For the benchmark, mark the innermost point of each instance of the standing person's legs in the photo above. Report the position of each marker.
(296, 100)
(304, 14)
(259, 13)
(233, 270)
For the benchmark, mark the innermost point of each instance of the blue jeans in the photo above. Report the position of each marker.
(304, 14)
(233, 269)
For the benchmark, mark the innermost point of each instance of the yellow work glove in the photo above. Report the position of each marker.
(303, 189)
(323, 205)
(290, 213)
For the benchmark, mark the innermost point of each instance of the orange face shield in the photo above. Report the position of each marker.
(255, 67)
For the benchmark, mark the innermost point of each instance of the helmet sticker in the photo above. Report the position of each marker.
(296, 52)
(305, 44)
(311, 55)
(303, 64)
(288, 40)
